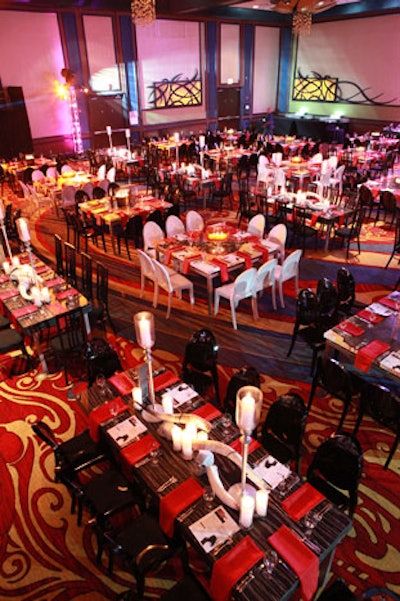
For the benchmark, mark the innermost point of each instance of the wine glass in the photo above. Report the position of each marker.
(101, 384)
(208, 497)
(270, 561)
(226, 423)
(155, 455)
(310, 521)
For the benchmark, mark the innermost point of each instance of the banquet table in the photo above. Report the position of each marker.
(386, 183)
(215, 260)
(28, 318)
(145, 453)
(370, 340)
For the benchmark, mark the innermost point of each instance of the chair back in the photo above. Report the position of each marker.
(327, 302)
(45, 433)
(38, 176)
(25, 191)
(163, 278)
(86, 285)
(306, 307)
(244, 284)
(201, 351)
(101, 172)
(194, 222)
(81, 196)
(104, 184)
(333, 377)
(174, 225)
(157, 217)
(290, 266)
(265, 276)
(246, 376)
(152, 235)
(278, 234)
(68, 196)
(337, 467)
(70, 263)
(58, 244)
(66, 169)
(52, 172)
(346, 290)
(146, 264)
(256, 225)
(88, 188)
(110, 175)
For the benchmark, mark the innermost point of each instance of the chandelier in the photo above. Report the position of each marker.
(143, 12)
(302, 11)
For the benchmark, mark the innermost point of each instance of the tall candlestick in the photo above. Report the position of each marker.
(144, 326)
(247, 413)
(108, 130)
(23, 230)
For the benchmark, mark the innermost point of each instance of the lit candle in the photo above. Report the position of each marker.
(23, 230)
(247, 413)
(36, 296)
(45, 294)
(128, 133)
(187, 450)
(247, 503)
(262, 497)
(108, 130)
(6, 267)
(202, 435)
(15, 262)
(192, 429)
(144, 333)
(137, 397)
(176, 438)
(167, 403)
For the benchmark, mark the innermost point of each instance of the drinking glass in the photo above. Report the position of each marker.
(226, 423)
(208, 497)
(310, 521)
(270, 561)
(101, 383)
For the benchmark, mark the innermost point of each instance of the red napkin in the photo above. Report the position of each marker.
(207, 411)
(302, 501)
(389, 302)
(223, 268)
(232, 566)
(299, 557)
(3, 279)
(167, 378)
(366, 355)
(171, 250)
(56, 308)
(253, 239)
(188, 260)
(139, 449)
(122, 383)
(22, 311)
(41, 269)
(54, 282)
(66, 293)
(246, 257)
(102, 414)
(9, 294)
(314, 217)
(350, 328)
(370, 316)
(237, 445)
(262, 249)
(340, 215)
(176, 501)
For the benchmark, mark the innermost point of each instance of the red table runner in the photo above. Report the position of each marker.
(302, 501)
(176, 501)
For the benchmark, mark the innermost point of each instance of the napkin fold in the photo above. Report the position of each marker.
(122, 383)
(66, 293)
(389, 302)
(232, 566)
(223, 268)
(188, 260)
(370, 316)
(237, 445)
(139, 449)
(56, 308)
(368, 353)
(54, 282)
(263, 250)
(246, 256)
(9, 294)
(350, 328)
(167, 378)
(299, 557)
(302, 501)
(101, 414)
(172, 504)
(22, 311)
(207, 411)
(171, 250)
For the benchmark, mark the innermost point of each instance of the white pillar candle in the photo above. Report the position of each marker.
(128, 133)
(15, 262)
(144, 326)
(36, 296)
(108, 130)
(247, 413)
(202, 435)
(137, 397)
(23, 230)
(262, 497)
(247, 503)
(167, 403)
(45, 294)
(6, 267)
(191, 428)
(187, 450)
(176, 438)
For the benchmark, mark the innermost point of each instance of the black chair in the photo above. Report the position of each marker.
(388, 203)
(58, 250)
(378, 593)
(335, 379)
(187, 588)
(98, 193)
(157, 217)
(11, 340)
(283, 430)
(201, 355)
(346, 290)
(70, 341)
(336, 470)
(223, 192)
(101, 358)
(133, 231)
(366, 199)
(246, 376)
(302, 228)
(351, 232)
(187, 194)
(306, 325)
(396, 244)
(70, 264)
(80, 196)
(100, 307)
(337, 591)
(71, 457)
(384, 408)
(247, 207)
(327, 304)
(86, 279)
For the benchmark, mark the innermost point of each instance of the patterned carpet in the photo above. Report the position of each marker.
(44, 556)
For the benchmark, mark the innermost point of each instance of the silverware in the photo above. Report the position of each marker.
(143, 461)
(166, 484)
(221, 545)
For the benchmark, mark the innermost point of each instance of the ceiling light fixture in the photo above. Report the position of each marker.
(302, 11)
(143, 12)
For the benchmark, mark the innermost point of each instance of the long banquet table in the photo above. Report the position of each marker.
(177, 484)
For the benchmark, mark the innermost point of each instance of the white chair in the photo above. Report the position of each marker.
(256, 225)
(174, 226)
(52, 173)
(280, 178)
(170, 282)
(39, 199)
(152, 236)
(278, 234)
(317, 158)
(68, 196)
(38, 179)
(101, 172)
(104, 184)
(332, 162)
(66, 169)
(194, 222)
(111, 174)
(287, 271)
(88, 188)
(265, 278)
(336, 180)
(234, 292)
(146, 271)
(324, 182)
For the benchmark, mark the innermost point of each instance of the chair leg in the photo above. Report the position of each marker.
(233, 313)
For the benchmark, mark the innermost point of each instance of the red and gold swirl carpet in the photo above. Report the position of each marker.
(45, 556)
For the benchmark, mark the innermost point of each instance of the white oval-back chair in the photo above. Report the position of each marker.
(287, 271)
(234, 292)
(170, 281)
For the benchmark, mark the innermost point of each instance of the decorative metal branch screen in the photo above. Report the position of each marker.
(176, 92)
(315, 88)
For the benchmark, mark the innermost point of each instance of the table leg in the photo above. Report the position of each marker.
(210, 291)
(87, 323)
